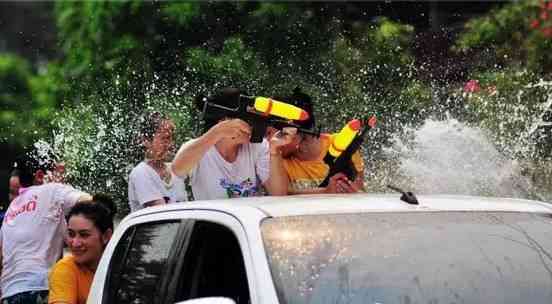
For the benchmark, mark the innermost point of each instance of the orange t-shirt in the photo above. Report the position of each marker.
(309, 174)
(68, 282)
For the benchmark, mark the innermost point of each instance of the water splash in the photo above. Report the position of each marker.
(450, 157)
(44, 153)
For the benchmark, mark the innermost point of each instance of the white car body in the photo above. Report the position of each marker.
(244, 217)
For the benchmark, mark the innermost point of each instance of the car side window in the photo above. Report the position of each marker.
(214, 265)
(139, 262)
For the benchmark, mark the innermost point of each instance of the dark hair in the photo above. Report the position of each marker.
(227, 97)
(149, 124)
(15, 173)
(302, 100)
(99, 211)
(26, 165)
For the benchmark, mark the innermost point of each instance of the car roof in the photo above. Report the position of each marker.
(277, 206)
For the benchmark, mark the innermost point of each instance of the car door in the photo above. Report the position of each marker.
(216, 262)
(142, 259)
(187, 254)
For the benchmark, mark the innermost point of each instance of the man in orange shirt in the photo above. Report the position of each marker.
(304, 157)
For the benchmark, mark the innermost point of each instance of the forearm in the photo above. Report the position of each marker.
(155, 203)
(85, 197)
(360, 181)
(277, 183)
(316, 190)
(191, 152)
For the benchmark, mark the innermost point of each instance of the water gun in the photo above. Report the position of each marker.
(342, 147)
(259, 112)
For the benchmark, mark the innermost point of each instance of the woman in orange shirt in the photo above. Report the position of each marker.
(90, 226)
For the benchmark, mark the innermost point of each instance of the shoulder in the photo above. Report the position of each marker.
(50, 188)
(56, 186)
(141, 168)
(67, 261)
(64, 267)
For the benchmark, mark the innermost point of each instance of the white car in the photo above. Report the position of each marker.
(361, 248)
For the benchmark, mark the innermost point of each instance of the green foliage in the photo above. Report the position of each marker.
(235, 65)
(373, 73)
(27, 100)
(181, 12)
(507, 106)
(520, 33)
(101, 41)
(15, 72)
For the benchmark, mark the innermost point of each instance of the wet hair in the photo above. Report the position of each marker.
(149, 124)
(15, 173)
(100, 211)
(304, 101)
(227, 97)
(26, 165)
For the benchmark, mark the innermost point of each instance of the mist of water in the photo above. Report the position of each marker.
(450, 157)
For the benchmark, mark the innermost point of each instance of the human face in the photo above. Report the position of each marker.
(162, 143)
(14, 187)
(86, 241)
(58, 175)
(39, 177)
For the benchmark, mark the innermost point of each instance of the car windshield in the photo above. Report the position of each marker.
(417, 257)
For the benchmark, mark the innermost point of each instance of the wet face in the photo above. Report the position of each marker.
(162, 142)
(14, 187)
(39, 177)
(58, 174)
(86, 241)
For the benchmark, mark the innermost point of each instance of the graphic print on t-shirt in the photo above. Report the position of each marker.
(11, 214)
(243, 189)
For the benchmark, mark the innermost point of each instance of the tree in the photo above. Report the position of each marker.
(28, 100)
(519, 34)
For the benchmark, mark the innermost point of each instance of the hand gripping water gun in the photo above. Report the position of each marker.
(258, 112)
(344, 144)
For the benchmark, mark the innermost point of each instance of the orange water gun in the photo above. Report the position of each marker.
(342, 147)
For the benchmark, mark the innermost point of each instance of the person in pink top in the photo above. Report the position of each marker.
(32, 234)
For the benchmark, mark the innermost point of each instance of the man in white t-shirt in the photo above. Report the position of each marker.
(216, 177)
(32, 235)
(222, 163)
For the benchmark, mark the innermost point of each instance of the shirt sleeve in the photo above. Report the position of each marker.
(144, 187)
(67, 196)
(63, 284)
(262, 161)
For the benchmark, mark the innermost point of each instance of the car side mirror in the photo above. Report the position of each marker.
(208, 300)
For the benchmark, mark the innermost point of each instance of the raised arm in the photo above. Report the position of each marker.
(278, 182)
(191, 152)
(85, 197)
